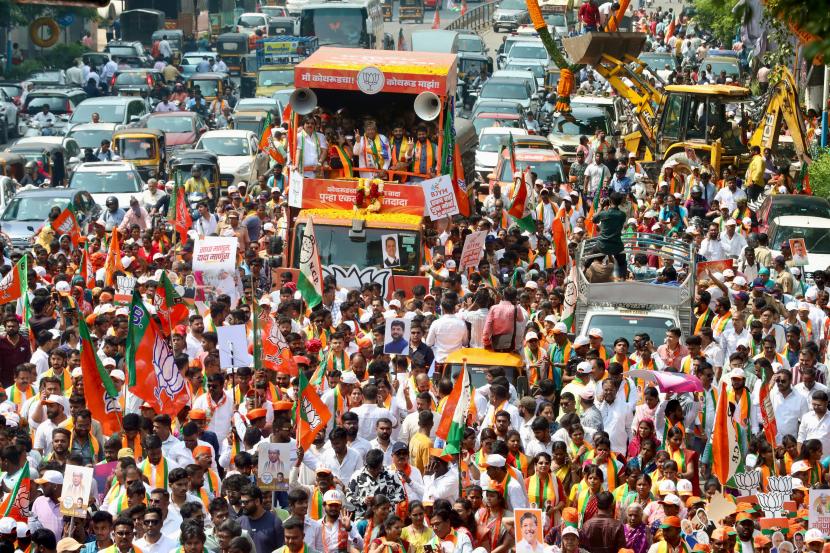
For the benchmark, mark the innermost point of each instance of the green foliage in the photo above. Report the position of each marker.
(811, 16)
(820, 174)
(717, 17)
(61, 56)
(780, 37)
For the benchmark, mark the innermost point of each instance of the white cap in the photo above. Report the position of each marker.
(813, 535)
(268, 227)
(739, 280)
(742, 342)
(333, 496)
(108, 362)
(394, 303)
(232, 189)
(560, 328)
(578, 230)
(581, 341)
(584, 367)
(684, 486)
(731, 223)
(587, 393)
(59, 400)
(803, 306)
(671, 499)
(791, 306)
(77, 372)
(119, 374)
(126, 261)
(799, 466)
(450, 264)
(728, 273)
(62, 287)
(666, 487)
(656, 226)
(8, 525)
(550, 319)
(751, 460)
(795, 270)
(349, 377)
(631, 221)
(55, 333)
(595, 333)
(650, 214)
(531, 336)
(737, 373)
(570, 530)
(51, 477)
(532, 284)
(12, 420)
(22, 529)
(811, 294)
(495, 460)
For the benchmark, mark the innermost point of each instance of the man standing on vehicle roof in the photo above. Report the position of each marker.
(220, 66)
(372, 150)
(311, 150)
(165, 50)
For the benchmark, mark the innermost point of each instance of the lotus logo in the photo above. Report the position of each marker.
(370, 80)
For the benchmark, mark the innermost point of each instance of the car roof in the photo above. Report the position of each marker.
(104, 166)
(208, 74)
(112, 100)
(199, 54)
(532, 154)
(188, 114)
(54, 90)
(794, 199)
(503, 130)
(39, 140)
(488, 115)
(138, 70)
(235, 133)
(93, 127)
(49, 192)
(801, 221)
(500, 80)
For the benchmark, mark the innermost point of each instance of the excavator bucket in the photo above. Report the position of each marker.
(590, 47)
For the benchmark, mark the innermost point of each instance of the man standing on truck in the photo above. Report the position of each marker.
(372, 150)
(311, 149)
(611, 220)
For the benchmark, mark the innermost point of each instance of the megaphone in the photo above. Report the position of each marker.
(303, 101)
(427, 106)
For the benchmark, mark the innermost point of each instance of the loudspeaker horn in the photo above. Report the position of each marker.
(303, 101)
(427, 106)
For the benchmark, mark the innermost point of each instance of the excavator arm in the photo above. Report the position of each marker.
(782, 107)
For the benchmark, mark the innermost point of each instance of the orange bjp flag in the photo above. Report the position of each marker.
(310, 413)
(113, 262)
(560, 240)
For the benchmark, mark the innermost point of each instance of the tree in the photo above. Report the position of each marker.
(806, 16)
(716, 16)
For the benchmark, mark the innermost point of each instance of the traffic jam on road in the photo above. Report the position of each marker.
(413, 276)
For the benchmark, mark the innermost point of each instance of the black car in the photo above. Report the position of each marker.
(132, 82)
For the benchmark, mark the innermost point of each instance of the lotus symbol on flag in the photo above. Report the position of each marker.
(170, 381)
(771, 503)
(782, 484)
(111, 403)
(748, 481)
(311, 414)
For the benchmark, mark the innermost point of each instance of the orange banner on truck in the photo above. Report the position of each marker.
(334, 194)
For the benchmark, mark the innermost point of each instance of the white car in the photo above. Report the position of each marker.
(250, 22)
(237, 152)
(90, 135)
(103, 179)
(815, 231)
(491, 140)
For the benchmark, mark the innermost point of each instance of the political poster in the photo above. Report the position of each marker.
(273, 466)
(77, 484)
(439, 197)
(473, 250)
(214, 267)
(820, 510)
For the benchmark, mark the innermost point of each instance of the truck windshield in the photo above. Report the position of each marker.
(336, 248)
(335, 26)
(627, 325)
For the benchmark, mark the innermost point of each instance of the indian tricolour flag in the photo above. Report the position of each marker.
(454, 418)
(571, 296)
(310, 281)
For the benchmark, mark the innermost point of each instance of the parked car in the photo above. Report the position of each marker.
(132, 82)
(13, 89)
(103, 179)
(27, 211)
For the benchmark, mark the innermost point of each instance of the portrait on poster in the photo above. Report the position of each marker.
(529, 531)
(273, 466)
(396, 340)
(799, 251)
(391, 254)
(77, 484)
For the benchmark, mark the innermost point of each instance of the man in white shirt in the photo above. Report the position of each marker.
(442, 483)
(447, 334)
(153, 541)
(369, 413)
(337, 456)
(597, 175)
(788, 405)
(733, 243)
(616, 415)
(711, 247)
(311, 150)
(173, 449)
(45, 119)
(815, 424)
(218, 404)
(541, 441)
(729, 195)
(809, 384)
(164, 48)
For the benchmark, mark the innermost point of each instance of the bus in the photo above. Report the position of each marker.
(346, 24)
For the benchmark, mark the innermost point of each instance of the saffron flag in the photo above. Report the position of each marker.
(276, 355)
(459, 183)
(101, 393)
(310, 281)
(169, 305)
(726, 452)
(767, 413)
(14, 284)
(590, 226)
(520, 207)
(560, 240)
(67, 224)
(153, 375)
(184, 221)
(16, 503)
(454, 416)
(87, 270)
(310, 413)
(113, 260)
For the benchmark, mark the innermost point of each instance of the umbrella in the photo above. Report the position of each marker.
(669, 381)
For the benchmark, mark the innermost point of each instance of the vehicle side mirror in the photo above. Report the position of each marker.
(74, 160)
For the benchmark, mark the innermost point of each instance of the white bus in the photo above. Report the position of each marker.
(345, 23)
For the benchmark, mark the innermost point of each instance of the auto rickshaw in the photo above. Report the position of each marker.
(232, 46)
(281, 26)
(386, 8)
(180, 166)
(411, 10)
(210, 84)
(53, 157)
(144, 148)
(551, 79)
(247, 80)
(176, 39)
(12, 165)
(479, 361)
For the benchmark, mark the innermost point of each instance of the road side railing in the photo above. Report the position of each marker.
(476, 18)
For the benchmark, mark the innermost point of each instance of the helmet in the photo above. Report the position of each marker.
(112, 201)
